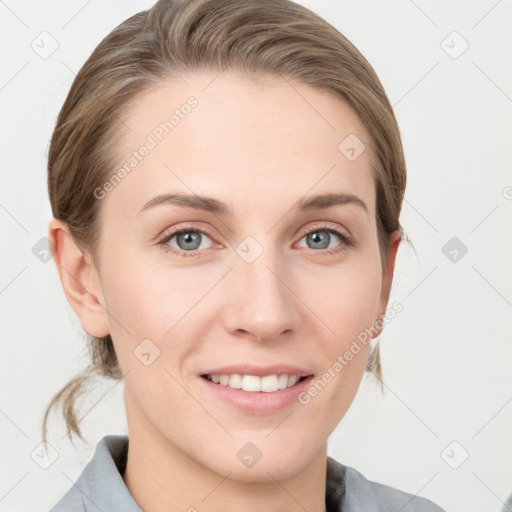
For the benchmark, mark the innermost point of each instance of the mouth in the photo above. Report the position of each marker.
(256, 390)
(255, 383)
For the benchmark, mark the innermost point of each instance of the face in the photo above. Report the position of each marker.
(260, 280)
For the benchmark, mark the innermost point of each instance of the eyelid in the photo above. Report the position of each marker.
(317, 225)
(185, 227)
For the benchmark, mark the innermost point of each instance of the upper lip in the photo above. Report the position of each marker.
(260, 371)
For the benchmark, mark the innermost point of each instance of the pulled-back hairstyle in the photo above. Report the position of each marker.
(275, 38)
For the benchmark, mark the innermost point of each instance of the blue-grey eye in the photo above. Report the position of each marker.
(321, 238)
(189, 240)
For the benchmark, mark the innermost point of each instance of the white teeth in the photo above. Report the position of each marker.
(235, 381)
(282, 381)
(253, 383)
(292, 380)
(269, 383)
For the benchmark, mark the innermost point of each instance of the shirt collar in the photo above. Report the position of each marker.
(101, 482)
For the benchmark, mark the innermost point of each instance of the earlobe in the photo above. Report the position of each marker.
(387, 277)
(79, 280)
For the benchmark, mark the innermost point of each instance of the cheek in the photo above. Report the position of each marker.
(356, 305)
(151, 336)
(149, 296)
(346, 300)
(143, 305)
(347, 305)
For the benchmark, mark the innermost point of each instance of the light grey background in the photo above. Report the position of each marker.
(446, 357)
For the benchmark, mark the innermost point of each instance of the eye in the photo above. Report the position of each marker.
(321, 237)
(187, 240)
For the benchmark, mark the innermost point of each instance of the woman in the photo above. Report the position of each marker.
(226, 179)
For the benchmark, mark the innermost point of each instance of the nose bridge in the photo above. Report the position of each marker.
(260, 301)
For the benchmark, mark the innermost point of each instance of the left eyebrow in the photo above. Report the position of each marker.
(324, 201)
(210, 204)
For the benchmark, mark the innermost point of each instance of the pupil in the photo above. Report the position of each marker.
(318, 236)
(188, 238)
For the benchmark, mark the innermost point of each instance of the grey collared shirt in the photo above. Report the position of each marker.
(101, 488)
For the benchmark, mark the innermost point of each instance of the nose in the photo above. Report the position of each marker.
(260, 303)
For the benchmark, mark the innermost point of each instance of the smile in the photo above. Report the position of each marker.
(254, 383)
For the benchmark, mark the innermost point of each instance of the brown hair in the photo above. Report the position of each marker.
(265, 38)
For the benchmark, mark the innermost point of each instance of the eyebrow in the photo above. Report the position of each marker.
(209, 204)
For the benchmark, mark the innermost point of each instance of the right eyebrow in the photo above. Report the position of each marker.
(205, 203)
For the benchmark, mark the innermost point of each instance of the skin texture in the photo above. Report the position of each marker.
(259, 147)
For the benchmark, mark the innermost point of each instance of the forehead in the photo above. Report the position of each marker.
(226, 134)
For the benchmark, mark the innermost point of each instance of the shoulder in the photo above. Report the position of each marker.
(507, 505)
(350, 491)
(100, 486)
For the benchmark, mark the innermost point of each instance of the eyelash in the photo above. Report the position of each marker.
(346, 241)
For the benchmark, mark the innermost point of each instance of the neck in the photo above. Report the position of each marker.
(160, 476)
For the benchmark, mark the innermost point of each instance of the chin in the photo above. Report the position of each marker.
(262, 462)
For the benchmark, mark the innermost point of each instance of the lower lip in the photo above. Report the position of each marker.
(261, 402)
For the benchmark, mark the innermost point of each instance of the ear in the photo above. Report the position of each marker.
(387, 276)
(80, 280)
